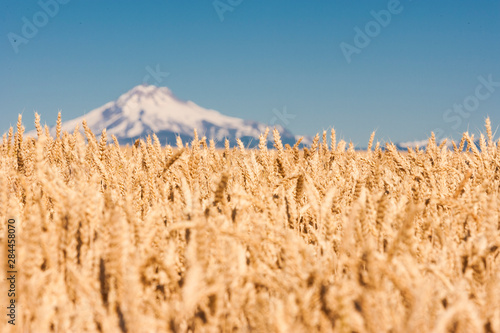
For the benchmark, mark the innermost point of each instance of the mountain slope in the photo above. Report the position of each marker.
(148, 109)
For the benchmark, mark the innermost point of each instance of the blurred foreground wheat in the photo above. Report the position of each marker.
(193, 238)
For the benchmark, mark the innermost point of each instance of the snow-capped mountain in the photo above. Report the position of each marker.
(148, 109)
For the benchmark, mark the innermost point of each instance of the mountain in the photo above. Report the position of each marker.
(147, 109)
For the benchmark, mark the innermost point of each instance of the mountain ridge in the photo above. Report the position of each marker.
(147, 109)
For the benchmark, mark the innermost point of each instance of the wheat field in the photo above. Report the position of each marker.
(192, 238)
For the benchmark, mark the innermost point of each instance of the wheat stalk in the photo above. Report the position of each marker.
(150, 238)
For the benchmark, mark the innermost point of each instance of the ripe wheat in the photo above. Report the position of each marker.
(146, 238)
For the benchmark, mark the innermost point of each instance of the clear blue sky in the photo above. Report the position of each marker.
(264, 55)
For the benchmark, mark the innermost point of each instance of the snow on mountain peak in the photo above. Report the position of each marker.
(144, 91)
(147, 109)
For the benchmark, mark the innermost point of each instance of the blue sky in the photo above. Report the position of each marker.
(432, 65)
